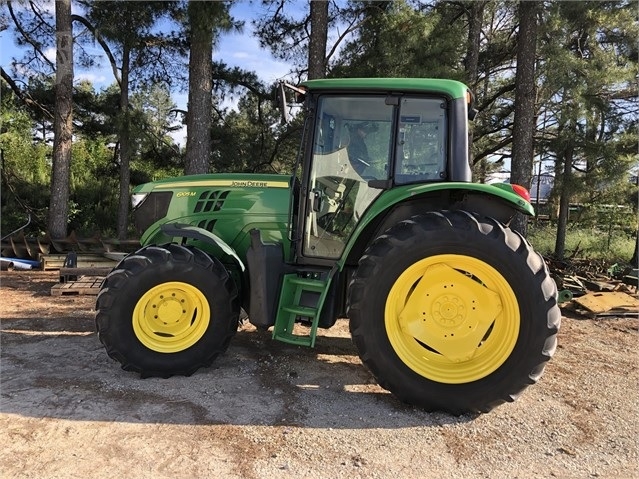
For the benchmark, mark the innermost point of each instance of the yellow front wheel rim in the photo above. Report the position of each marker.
(171, 317)
(452, 318)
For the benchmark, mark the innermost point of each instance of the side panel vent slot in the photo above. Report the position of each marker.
(212, 200)
(208, 225)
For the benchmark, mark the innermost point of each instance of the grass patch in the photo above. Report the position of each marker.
(586, 243)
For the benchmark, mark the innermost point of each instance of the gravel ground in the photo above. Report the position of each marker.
(271, 410)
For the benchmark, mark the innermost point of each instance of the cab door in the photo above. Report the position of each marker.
(352, 144)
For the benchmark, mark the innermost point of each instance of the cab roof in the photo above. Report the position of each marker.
(451, 88)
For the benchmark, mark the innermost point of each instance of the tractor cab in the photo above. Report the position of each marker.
(366, 141)
(365, 137)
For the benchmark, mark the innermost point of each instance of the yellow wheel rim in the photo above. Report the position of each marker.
(452, 319)
(171, 317)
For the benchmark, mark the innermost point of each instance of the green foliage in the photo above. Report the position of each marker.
(613, 245)
(252, 140)
(285, 32)
(92, 197)
(588, 100)
(93, 201)
(94, 112)
(397, 40)
(148, 36)
(152, 122)
(25, 169)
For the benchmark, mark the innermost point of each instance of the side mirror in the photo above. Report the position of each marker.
(282, 102)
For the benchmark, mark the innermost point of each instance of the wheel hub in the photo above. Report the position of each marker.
(449, 312)
(171, 317)
(169, 310)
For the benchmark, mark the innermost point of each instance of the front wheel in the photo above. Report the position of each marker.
(167, 310)
(451, 311)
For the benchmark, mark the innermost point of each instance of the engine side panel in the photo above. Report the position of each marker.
(228, 205)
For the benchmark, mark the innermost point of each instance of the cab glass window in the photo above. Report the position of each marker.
(421, 151)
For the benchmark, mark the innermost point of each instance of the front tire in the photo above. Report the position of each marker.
(451, 311)
(167, 310)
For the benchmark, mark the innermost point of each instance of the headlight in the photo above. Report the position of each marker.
(137, 199)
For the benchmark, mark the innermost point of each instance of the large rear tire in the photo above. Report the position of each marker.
(454, 312)
(167, 310)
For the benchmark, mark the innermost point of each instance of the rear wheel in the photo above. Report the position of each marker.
(167, 310)
(453, 312)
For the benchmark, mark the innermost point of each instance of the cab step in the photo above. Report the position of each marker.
(301, 298)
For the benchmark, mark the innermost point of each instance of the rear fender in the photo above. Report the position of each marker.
(498, 202)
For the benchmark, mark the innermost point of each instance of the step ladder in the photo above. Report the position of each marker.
(290, 307)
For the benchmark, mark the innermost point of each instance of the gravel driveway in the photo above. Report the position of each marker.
(270, 410)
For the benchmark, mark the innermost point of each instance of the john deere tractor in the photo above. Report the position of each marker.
(380, 224)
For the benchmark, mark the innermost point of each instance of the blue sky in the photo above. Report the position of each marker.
(234, 49)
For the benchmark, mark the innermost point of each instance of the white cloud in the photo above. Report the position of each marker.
(243, 50)
(96, 79)
(240, 55)
(50, 54)
(179, 136)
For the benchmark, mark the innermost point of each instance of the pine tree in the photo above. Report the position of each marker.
(62, 122)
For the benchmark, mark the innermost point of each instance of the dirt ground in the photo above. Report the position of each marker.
(271, 410)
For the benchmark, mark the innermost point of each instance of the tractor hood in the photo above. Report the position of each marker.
(228, 205)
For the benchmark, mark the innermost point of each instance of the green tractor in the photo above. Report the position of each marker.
(449, 308)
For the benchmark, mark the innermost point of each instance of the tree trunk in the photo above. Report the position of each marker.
(564, 202)
(475, 14)
(62, 122)
(200, 102)
(318, 39)
(525, 113)
(635, 255)
(125, 147)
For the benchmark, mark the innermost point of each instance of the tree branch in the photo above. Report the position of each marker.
(25, 98)
(27, 37)
(103, 44)
(499, 92)
(505, 142)
(177, 110)
(354, 26)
